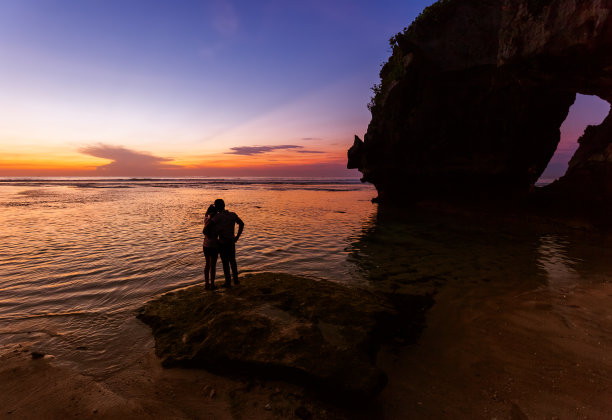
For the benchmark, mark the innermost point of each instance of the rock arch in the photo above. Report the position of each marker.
(587, 110)
(472, 98)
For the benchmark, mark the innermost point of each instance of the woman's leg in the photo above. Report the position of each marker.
(207, 267)
(213, 268)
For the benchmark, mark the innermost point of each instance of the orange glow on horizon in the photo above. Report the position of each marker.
(24, 163)
(56, 163)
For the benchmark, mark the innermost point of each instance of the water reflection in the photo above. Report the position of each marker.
(520, 320)
(78, 259)
(415, 250)
(553, 259)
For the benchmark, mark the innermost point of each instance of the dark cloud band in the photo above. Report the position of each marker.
(256, 150)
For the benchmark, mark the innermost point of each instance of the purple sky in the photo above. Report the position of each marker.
(587, 110)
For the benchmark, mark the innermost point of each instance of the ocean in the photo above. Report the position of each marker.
(80, 256)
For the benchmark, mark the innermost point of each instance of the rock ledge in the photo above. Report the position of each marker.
(316, 333)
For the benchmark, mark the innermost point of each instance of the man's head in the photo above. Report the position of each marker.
(219, 204)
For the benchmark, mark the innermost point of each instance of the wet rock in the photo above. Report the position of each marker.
(472, 98)
(303, 413)
(315, 333)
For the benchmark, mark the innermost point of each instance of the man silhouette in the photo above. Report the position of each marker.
(224, 223)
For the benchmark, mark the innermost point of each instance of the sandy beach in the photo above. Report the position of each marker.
(36, 389)
(537, 354)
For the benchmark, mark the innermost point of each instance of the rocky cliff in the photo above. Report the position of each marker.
(473, 95)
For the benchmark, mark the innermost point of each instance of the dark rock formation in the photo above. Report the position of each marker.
(472, 98)
(588, 180)
(276, 325)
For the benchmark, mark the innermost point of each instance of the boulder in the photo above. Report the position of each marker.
(472, 98)
(313, 332)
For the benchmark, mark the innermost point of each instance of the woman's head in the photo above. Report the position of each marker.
(212, 210)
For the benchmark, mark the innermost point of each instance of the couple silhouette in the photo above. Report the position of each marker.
(219, 239)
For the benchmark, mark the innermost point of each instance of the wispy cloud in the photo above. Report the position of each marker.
(126, 161)
(256, 150)
(224, 17)
(309, 151)
(311, 138)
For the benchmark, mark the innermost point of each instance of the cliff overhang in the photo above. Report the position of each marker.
(472, 98)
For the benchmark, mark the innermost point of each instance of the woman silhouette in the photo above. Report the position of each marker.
(210, 248)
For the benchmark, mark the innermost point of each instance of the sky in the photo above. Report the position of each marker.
(190, 87)
(587, 110)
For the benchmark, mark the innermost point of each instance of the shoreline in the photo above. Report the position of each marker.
(485, 352)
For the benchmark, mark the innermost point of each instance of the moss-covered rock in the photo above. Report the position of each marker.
(317, 333)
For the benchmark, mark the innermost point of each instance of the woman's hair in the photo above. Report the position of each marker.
(212, 210)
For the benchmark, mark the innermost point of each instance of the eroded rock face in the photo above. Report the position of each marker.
(472, 99)
(588, 180)
(276, 325)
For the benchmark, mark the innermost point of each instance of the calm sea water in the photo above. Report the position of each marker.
(79, 256)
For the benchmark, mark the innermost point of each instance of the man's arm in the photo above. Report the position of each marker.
(240, 228)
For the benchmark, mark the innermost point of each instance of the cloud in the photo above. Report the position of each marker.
(311, 138)
(126, 161)
(224, 17)
(310, 151)
(256, 150)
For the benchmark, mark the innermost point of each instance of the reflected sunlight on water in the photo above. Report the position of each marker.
(80, 257)
(554, 260)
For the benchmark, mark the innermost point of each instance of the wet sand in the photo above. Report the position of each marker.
(485, 354)
(539, 354)
(37, 389)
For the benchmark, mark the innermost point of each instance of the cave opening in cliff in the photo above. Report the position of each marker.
(586, 110)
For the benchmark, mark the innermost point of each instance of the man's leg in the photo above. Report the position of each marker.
(231, 256)
(223, 251)
(234, 268)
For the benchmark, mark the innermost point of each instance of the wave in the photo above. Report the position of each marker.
(126, 182)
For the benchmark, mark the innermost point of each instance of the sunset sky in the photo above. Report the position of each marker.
(186, 87)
